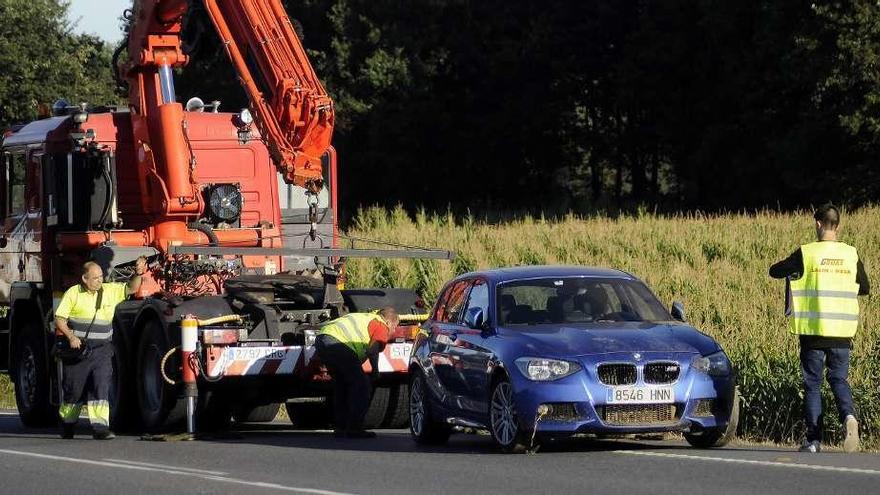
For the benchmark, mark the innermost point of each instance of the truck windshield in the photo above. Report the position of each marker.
(576, 300)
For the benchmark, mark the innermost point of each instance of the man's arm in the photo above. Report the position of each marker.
(134, 283)
(862, 279)
(61, 325)
(793, 266)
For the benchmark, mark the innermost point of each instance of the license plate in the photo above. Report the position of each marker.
(640, 395)
(401, 350)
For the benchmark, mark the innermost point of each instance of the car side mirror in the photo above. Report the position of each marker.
(678, 311)
(474, 318)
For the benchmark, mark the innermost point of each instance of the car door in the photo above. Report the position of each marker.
(444, 373)
(471, 353)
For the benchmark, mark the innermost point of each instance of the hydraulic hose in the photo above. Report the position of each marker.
(207, 230)
(167, 355)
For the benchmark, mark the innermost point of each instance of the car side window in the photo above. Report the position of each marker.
(479, 297)
(450, 310)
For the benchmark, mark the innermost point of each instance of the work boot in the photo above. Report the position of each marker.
(811, 447)
(103, 435)
(851, 440)
(67, 430)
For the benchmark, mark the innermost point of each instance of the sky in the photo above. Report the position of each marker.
(100, 17)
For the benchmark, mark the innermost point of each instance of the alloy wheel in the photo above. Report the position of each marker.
(504, 425)
(417, 407)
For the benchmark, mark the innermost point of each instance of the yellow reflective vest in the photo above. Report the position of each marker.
(824, 301)
(353, 331)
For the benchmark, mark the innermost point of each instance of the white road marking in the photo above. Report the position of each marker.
(177, 471)
(811, 467)
(165, 466)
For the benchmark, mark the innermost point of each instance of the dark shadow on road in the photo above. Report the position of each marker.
(281, 435)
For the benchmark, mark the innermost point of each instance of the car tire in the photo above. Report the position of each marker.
(503, 421)
(717, 437)
(422, 426)
(377, 408)
(31, 379)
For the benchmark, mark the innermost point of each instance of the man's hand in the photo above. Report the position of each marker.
(140, 266)
(74, 341)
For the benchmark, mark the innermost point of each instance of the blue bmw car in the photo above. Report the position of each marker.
(552, 351)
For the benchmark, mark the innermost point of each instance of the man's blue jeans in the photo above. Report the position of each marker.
(813, 361)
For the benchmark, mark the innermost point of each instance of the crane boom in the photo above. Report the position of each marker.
(291, 108)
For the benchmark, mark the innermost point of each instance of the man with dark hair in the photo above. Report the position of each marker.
(824, 279)
(343, 345)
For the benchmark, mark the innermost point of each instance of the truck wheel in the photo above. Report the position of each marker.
(309, 415)
(157, 400)
(257, 414)
(214, 411)
(398, 408)
(31, 379)
(378, 407)
(122, 399)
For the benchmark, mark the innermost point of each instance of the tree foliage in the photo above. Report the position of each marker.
(576, 104)
(42, 60)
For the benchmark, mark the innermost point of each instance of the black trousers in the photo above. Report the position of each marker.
(88, 382)
(352, 387)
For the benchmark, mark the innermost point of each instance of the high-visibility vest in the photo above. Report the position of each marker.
(352, 330)
(824, 301)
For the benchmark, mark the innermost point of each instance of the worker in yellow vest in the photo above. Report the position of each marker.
(84, 319)
(824, 280)
(343, 345)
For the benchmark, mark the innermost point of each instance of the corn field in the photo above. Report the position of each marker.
(715, 264)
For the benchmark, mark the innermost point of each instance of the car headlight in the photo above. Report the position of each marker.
(715, 364)
(542, 370)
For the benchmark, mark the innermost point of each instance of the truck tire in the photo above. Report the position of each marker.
(256, 414)
(123, 402)
(157, 400)
(398, 407)
(31, 379)
(378, 407)
(214, 411)
(310, 415)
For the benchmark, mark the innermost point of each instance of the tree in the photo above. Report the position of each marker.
(43, 61)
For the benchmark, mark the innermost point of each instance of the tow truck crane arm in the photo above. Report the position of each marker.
(290, 107)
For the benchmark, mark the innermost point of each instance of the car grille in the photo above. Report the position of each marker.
(638, 414)
(662, 372)
(704, 407)
(617, 374)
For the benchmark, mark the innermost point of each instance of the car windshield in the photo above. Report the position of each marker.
(576, 300)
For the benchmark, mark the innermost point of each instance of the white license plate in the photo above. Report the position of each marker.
(640, 395)
(401, 350)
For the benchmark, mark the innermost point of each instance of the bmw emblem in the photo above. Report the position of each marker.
(637, 356)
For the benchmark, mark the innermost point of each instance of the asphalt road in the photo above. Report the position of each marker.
(274, 459)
